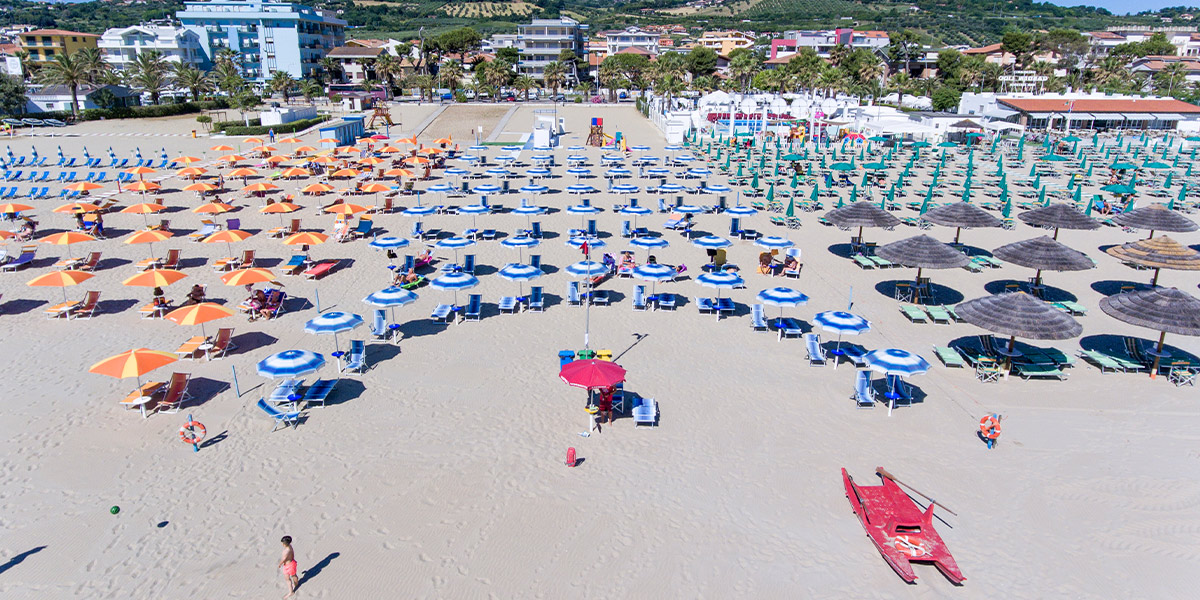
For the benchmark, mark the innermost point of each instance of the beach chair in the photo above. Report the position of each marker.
(103, 178)
(863, 262)
(175, 395)
(508, 304)
(794, 253)
(535, 230)
(172, 259)
(356, 358)
(285, 230)
(319, 391)
(474, 308)
(282, 419)
(665, 301)
(536, 301)
(626, 229)
(362, 230)
(1029, 371)
(816, 354)
(987, 369)
(320, 269)
(71, 177)
(535, 261)
(222, 343)
(294, 265)
(705, 305)
(900, 389)
(914, 313)
(468, 265)
(938, 314)
(573, 297)
(949, 356)
(86, 309)
(864, 392)
(639, 297)
(89, 263)
(1101, 360)
(62, 309)
(442, 313)
(207, 228)
(1070, 307)
(788, 327)
(188, 349)
(645, 412)
(22, 261)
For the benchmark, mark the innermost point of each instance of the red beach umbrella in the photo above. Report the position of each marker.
(591, 374)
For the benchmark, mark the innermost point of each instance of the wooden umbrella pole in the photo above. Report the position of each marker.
(883, 472)
(1158, 355)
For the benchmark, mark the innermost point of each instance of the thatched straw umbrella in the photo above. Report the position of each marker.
(1161, 252)
(922, 252)
(1156, 217)
(1166, 310)
(1016, 315)
(1044, 254)
(960, 215)
(1059, 216)
(860, 215)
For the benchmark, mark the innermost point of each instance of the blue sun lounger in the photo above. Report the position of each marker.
(281, 418)
(319, 391)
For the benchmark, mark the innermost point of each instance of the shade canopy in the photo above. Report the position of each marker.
(1160, 309)
(592, 373)
(924, 252)
(1019, 314)
(1161, 252)
(861, 214)
(1044, 253)
(1058, 216)
(960, 214)
(1156, 217)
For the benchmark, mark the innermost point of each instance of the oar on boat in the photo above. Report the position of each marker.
(883, 472)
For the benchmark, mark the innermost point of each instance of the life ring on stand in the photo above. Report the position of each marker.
(989, 427)
(910, 546)
(192, 432)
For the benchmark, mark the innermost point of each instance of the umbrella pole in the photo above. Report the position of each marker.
(1154, 280)
(1154, 370)
(957, 232)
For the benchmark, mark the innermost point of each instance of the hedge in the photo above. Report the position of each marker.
(219, 125)
(133, 112)
(292, 127)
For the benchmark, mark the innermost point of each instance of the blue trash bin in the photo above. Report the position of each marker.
(564, 357)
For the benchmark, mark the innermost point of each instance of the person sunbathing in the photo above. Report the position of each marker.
(401, 278)
(27, 231)
(790, 263)
(341, 231)
(425, 258)
(195, 296)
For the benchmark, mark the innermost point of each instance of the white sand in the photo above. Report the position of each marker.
(439, 473)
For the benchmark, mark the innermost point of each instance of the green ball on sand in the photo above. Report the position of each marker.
(114, 510)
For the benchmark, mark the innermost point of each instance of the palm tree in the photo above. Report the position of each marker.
(838, 54)
(67, 71)
(609, 76)
(553, 76)
(450, 75)
(831, 78)
(387, 67)
(195, 80)
(92, 59)
(311, 88)
(869, 71)
(367, 65)
(743, 67)
(282, 82)
(704, 83)
(1170, 77)
(27, 65)
(524, 83)
(497, 75)
(150, 73)
(331, 68)
(227, 78)
(669, 64)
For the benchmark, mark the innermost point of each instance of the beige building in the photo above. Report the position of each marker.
(725, 42)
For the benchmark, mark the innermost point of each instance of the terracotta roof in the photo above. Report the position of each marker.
(1113, 105)
(872, 34)
(9, 49)
(983, 50)
(780, 60)
(635, 50)
(58, 32)
(1158, 65)
(1106, 35)
(355, 52)
(595, 59)
(367, 43)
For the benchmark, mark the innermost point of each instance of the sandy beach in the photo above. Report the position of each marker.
(439, 472)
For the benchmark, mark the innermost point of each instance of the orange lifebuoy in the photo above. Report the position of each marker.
(192, 432)
(912, 547)
(989, 426)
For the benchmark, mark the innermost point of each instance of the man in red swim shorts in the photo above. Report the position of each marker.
(287, 562)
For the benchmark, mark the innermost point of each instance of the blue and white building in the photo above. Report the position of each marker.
(268, 36)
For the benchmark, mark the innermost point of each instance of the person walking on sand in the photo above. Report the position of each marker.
(287, 562)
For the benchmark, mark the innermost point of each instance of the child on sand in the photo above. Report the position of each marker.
(287, 562)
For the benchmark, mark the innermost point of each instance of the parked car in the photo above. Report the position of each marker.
(447, 96)
(560, 98)
(510, 97)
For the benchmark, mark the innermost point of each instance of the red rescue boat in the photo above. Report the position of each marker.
(901, 532)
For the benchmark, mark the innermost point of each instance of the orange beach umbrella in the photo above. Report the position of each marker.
(155, 278)
(66, 208)
(133, 363)
(199, 314)
(60, 279)
(247, 276)
(67, 238)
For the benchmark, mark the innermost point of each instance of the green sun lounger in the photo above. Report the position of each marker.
(1101, 360)
(949, 356)
(938, 314)
(882, 263)
(914, 313)
(950, 311)
(1027, 371)
(1070, 307)
(863, 262)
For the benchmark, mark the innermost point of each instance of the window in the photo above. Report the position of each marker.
(74, 39)
(46, 40)
(49, 53)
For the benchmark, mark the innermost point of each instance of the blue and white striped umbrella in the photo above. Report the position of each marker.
(685, 158)
(388, 242)
(712, 241)
(498, 172)
(475, 209)
(512, 148)
(477, 148)
(575, 148)
(454, 243)
(519, 272)
(454, 281)
(520, 241)
(586, 268)
(533, 189)
(538, 172)
(721, 281)
(625, 188)
(658, 172)
(690, 209)
(646, 159)
(671, 188)
(580, 189)
(715, 189)
(640, 148)
(419, 211)
(592, 242)
(649, 243)
(619, 172)
(636, 211)
(290, 363)
(440, 188)
(699, 172)
(741, 211)
(333, 322)
(506, 158)
(469, 157)
(841, 322)
(782, 296)
(457, 172)
(528, 210)
(580, 171)
(773, 241)
(654, 272)
(894, 361)
(673, 148)
(487, 188)
(541, 157)
(612, 158)
(576, 158)
(390, 296)
(583, 209)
